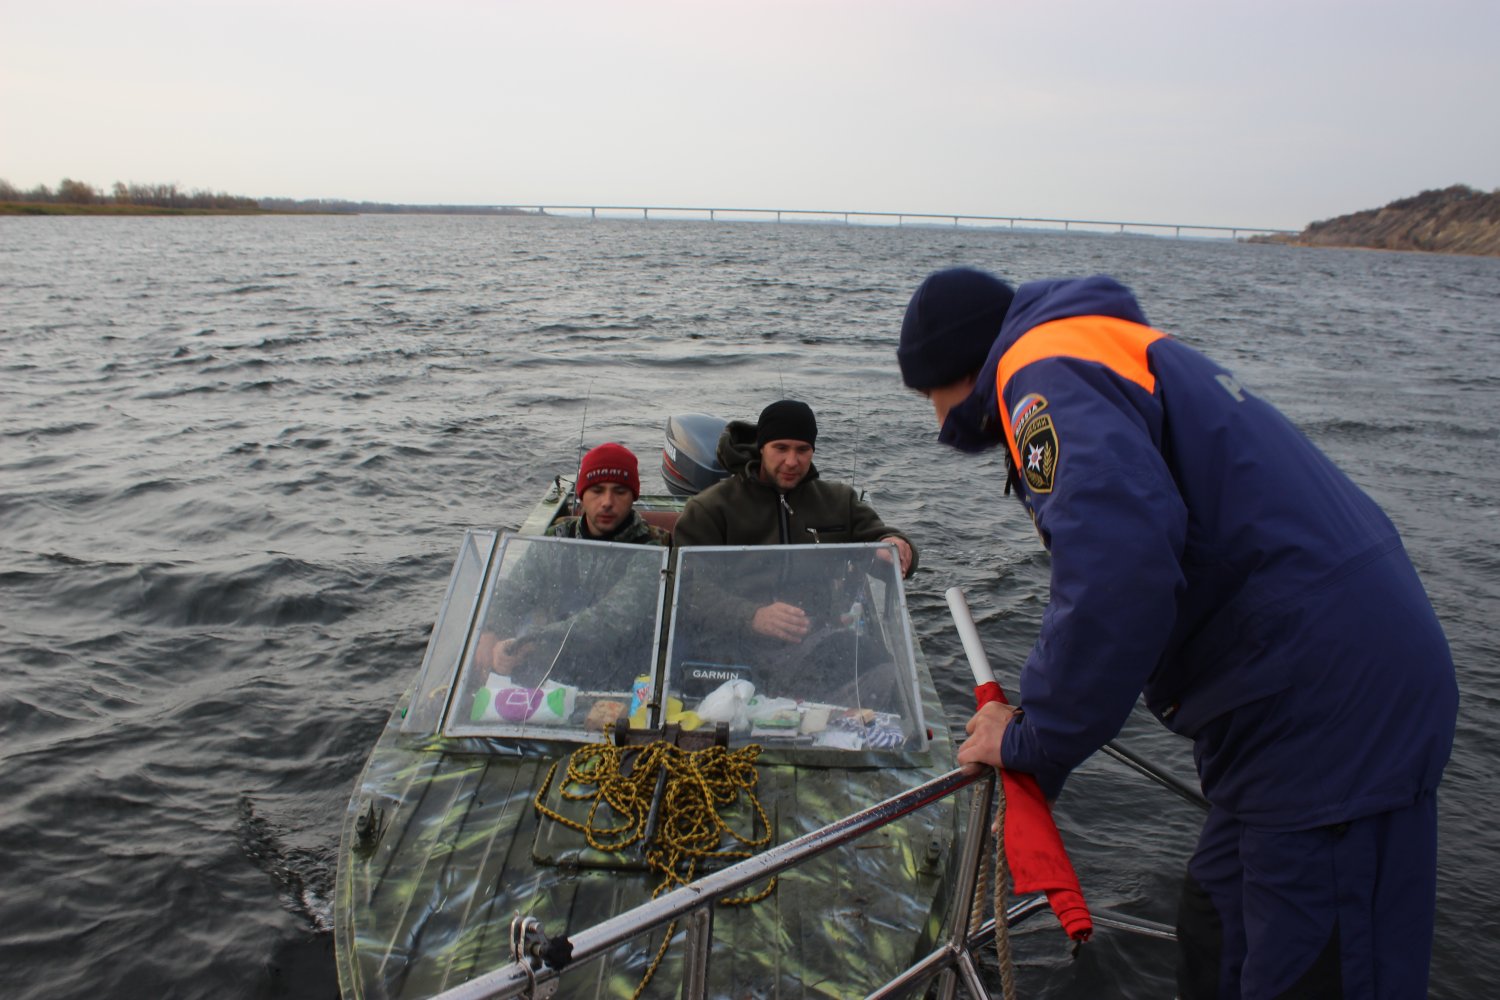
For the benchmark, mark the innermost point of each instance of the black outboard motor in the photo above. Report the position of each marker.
(688, 462)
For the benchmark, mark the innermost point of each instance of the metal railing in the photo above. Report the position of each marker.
(954, 959)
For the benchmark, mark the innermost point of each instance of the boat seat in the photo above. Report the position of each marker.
(664, 519)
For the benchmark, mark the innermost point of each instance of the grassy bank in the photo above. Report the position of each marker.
(55, 208)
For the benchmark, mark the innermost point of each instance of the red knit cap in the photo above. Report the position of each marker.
(610, 463)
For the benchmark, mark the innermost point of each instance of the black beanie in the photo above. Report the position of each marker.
(786, 420)
(950, 325)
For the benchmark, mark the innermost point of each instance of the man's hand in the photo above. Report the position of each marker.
(507, 655)
(781, 621)
(903, 549)
(986, 731)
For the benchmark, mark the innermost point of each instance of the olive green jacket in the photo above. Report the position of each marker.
(744, 510)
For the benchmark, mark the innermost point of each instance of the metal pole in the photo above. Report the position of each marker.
(968, 876)
(700, 937)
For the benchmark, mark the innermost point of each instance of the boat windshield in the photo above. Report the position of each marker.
(842, 676)
(565, 629)
(566, 639)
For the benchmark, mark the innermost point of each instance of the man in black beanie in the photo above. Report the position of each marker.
(774, 496)
(1207, 556)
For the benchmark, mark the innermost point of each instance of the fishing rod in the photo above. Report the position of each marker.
(969, 635)
(859, 427)
(583, 423)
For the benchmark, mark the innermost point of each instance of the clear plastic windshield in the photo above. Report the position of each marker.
(446, 645)
(565, 637)
(794, 645)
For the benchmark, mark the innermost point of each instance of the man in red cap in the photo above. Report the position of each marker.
(609, 483)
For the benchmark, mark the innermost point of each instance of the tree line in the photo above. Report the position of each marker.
(74, 192)
(167, 196)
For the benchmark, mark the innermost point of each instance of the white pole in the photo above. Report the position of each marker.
(978, 662)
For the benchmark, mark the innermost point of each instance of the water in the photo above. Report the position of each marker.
(236, 455)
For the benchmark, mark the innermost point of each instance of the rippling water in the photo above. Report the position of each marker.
(237, 455)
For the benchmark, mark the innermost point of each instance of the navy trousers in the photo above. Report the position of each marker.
(1336, 911)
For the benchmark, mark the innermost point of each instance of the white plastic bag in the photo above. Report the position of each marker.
(728, 703)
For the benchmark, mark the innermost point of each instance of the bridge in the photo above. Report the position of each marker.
(898, 218)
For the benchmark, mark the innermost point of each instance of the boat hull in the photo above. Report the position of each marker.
(429, 904)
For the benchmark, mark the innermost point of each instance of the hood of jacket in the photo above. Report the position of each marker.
(738, 454)
(975, 424)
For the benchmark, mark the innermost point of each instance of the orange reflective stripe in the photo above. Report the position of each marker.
(1117, 344)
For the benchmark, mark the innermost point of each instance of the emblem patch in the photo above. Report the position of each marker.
(1040, 451)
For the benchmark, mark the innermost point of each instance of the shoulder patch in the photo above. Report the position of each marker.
(1037, 442)
(1030, 405)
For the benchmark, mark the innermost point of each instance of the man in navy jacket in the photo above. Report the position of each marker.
(1207, 556)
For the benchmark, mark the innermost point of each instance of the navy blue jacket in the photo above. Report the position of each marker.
(1204, 552)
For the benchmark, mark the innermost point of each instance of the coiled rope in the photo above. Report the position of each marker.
(698, 786)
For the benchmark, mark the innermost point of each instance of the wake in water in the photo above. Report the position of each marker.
(304, 879)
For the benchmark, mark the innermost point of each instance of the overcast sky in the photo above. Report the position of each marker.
(1268, 113)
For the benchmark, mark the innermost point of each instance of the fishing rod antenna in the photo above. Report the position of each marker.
(582, 423)
(859, 417)
(588, 394)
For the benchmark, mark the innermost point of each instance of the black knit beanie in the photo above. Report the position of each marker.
(950, 325)
(786, 420)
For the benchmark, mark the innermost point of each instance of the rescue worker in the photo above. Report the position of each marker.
(1206, 554)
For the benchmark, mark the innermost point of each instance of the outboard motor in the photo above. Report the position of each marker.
(689, 462)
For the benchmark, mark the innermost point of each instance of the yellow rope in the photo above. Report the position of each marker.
(689, 828)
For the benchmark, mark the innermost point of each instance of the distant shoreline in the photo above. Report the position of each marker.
(1453, 220)
(64, 208)
(53, 208)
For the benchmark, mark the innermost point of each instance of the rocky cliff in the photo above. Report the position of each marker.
(1455, 219)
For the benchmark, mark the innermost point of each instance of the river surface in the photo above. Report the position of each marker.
(236, 456)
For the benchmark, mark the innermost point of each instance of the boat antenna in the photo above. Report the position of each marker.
(581, 425)
(859, 425)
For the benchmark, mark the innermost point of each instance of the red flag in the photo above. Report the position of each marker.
(1034, 849)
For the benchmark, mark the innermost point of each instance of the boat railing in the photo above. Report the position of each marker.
(530, 975)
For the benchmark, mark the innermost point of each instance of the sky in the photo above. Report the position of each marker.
(1254, 113)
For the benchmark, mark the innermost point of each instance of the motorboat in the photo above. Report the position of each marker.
(593, 729)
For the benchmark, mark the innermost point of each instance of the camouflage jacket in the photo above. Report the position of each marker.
(633, 532)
